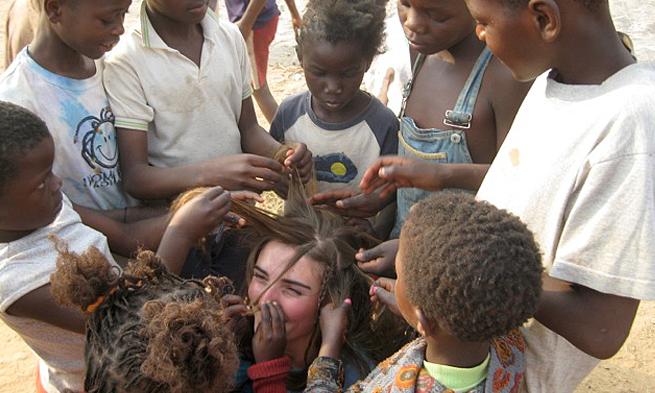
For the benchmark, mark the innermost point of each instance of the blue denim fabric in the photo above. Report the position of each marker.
(446, 145)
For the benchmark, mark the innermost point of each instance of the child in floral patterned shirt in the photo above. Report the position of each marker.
(469, 275)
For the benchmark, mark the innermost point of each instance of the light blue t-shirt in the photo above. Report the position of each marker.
(81, 123)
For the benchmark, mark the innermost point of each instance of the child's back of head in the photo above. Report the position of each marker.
(148, 330)
(475, 270)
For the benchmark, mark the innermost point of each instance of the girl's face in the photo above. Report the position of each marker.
(297, 291)
(434, 26)
(333, 73)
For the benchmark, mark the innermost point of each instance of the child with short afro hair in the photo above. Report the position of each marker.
(346, 128)
(469, 275)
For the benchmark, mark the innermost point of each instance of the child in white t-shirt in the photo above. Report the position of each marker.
(179, 86)
(32, 207)
(578, 168)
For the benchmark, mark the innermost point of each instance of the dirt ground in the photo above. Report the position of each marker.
(632, 370)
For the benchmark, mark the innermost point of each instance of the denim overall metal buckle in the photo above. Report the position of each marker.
(458, 120)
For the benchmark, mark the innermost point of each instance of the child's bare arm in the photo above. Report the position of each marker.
(40, 305)
(234, 172)
(254, 139)
(296, 19)
(596, 323)
(125, 238)
(249, 17)
(508, 94)
(392, 172)
(191, 222)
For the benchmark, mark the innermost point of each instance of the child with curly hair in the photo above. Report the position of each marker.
(32, 207)
(469, 275)
(346, 128)
(148, 330)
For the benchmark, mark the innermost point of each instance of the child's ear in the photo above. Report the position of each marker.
(547, 18)
(52, 8)
(423, 325)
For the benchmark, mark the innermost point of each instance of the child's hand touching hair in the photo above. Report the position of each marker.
(392, 172)
(334, 323)
(383, 291)
(380, 259)
(300, 157)
(270, 339)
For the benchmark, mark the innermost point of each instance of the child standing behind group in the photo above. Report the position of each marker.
(469, 275)
(179, 86)
(346, 128)
(257, 21)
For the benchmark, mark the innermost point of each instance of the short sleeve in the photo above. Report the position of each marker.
(390, 144)
(244, 61)
(277, 126)
(126, 95)
(384, 125)
(607, 242)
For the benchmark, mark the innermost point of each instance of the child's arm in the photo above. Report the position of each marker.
(254, 139)
(596, 323)
(249, 17)
(125, 238)
(392, 172)
(234, 172)
(296, 20)
(191, 222)
(40, 305)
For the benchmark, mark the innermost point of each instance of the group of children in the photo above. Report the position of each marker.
(536, 105)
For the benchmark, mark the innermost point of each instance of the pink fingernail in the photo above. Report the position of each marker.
(348, 301)
(373, 290)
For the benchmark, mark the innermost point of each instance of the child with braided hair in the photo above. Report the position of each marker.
(148, 330)
(32, 207)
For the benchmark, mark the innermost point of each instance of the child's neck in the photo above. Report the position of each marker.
(468, 49)
(448, 350)
(53, 54)
(12, 236)
(172, 31)
(594, 55)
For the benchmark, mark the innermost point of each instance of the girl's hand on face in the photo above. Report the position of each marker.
(201, 215)
(334, 323)
(270, 339)
(234, 308)
(383, 291)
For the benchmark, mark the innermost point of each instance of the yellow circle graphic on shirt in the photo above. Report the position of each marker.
(339, 169)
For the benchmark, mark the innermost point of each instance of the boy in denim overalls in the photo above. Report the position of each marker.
(458, 108)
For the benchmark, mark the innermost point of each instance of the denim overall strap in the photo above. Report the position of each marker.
(407, 90)
(460, 116)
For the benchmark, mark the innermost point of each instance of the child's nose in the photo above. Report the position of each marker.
(268, 296)
(119, 29)
(415, 22)
(333, 86)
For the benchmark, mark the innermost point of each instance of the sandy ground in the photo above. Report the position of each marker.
(631, 370)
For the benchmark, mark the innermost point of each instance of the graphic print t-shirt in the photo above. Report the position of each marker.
(81, 123)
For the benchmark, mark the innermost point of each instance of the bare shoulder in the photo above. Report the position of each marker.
(501, 85)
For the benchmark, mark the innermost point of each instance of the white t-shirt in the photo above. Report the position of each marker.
(78, 116)
(578, 167)
(190, 113)
(25, 265)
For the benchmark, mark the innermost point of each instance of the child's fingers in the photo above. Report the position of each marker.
(369, 255)
(246, 196)
(277, 320)
(386, 298)
(265, 324)
(388, 284)
(266, 174)
(265, 162)
(330, 197)
(213, 192)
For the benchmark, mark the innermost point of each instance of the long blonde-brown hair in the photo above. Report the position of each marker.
(324, 237)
